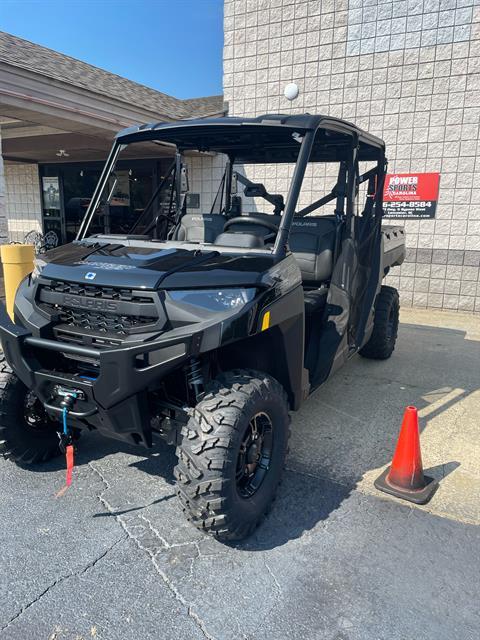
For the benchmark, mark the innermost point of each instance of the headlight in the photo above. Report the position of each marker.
(38, 265)
(214, 299)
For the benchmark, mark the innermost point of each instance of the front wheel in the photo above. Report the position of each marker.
(385, 325)
(27, 434)
(232, 454)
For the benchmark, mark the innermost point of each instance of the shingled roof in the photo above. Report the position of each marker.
(52, 64)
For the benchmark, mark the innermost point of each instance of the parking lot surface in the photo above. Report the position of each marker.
(115, 559)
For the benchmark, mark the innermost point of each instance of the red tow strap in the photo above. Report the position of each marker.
(68, 482)
(67, 439)
(69, 456)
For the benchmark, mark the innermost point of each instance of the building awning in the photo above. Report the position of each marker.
(50, 101)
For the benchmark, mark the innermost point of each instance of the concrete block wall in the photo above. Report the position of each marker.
(408, 71)
(204, 176)
(23, 201)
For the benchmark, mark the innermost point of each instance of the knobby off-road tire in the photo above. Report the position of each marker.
(20, 441)
(385, 325)
(216, 496)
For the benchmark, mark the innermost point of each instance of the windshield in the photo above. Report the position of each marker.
(140, 179)
(155, 192)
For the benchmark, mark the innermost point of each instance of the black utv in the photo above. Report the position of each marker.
(206, 328)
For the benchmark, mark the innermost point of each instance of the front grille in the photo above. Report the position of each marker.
(96, 309)
(95, 291)
(101, 322)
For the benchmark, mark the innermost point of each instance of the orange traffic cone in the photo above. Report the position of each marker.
(404, 478)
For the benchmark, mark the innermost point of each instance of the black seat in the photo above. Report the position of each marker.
(312, 241)
(199, 227)
(241, 240)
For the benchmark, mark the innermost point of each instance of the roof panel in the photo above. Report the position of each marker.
(267, 138)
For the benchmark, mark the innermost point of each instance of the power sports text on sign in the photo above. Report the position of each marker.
(411, 195)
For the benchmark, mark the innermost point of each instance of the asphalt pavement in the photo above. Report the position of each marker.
(114, 558)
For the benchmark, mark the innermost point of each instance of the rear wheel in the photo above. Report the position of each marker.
(232, 454)
(385, 325)
(27, 434)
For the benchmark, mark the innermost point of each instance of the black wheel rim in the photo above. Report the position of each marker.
(254, 457)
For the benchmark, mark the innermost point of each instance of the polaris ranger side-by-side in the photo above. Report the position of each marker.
(205, 328)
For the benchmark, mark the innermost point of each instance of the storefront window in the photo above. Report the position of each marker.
(68, 188)
(130, 190)
(78, 186)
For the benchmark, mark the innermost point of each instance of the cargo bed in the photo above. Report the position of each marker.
(394, 250)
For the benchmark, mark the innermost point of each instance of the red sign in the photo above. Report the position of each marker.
(411, 195)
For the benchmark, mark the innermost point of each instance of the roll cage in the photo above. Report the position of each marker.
(272, 139)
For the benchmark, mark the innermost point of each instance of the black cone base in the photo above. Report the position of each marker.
(418, 496)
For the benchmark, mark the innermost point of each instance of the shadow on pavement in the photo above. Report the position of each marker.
(160, 460)
(122, 512)
(350, 426)
(346, 429)
(442, 470)
(160, 463)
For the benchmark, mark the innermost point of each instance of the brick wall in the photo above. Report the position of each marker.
(23, 204)
(408, 71)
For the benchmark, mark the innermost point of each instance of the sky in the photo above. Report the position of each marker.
(174, 46)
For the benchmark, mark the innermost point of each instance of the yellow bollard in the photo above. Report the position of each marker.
(17, 260)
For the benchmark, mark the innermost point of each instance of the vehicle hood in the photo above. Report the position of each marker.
(151, 268)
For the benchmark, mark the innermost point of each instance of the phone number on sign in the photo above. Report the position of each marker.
(414, 204)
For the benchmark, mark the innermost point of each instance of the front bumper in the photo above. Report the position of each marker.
(115, 400)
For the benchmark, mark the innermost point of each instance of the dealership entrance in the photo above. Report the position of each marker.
(58, 118)
(67, 189)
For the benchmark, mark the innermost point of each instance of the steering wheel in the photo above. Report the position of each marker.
(251, 220)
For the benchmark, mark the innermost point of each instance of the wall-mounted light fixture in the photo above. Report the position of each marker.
(291, 91)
